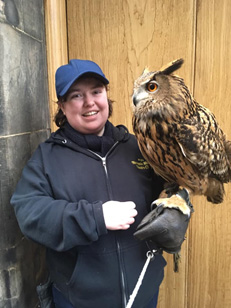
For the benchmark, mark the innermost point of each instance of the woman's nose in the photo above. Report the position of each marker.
(88, 100)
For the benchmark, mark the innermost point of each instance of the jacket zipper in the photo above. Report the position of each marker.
(124, 297)
(104, 165)
(103, 159)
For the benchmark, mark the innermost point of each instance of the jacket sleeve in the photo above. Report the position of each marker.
(56, 224)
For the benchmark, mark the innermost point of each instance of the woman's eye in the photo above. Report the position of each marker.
(152, 86)
(76, 95)
(98, 91)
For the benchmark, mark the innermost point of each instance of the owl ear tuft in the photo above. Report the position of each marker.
(145, 71)
(172, 66)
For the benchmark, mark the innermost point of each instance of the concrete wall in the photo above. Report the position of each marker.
(24, 123)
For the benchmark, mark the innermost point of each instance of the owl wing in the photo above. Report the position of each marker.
(202, 143)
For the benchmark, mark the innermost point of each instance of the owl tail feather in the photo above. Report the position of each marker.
(228, 153)
(215, 191)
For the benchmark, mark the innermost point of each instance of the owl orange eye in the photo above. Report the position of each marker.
(152, 86)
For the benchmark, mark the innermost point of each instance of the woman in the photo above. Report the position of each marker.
(82, 195)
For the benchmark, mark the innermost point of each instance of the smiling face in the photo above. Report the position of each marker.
(86, 106)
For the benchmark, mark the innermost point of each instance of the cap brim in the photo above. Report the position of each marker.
(93, 74)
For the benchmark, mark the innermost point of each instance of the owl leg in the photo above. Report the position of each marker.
(179, 200)
(170, 188)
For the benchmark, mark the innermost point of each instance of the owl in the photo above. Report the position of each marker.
(180, 138)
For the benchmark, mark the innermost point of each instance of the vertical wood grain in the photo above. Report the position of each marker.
(56, 41)
(209, 277)
(124, 37)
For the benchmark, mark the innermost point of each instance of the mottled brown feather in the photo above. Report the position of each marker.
(178, 137)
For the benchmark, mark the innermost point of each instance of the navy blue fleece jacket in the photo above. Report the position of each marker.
(58, 203)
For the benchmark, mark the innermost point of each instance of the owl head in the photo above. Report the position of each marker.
(158, 86)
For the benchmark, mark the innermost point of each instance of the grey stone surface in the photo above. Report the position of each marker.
(26, 15)
(24, 123)
(23, 89)
(21, 266)
(14, 153)
(11, 13)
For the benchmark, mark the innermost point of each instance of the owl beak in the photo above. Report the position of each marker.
(134, 99)
(138, 96)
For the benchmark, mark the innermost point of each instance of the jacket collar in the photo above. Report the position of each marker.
(69, 137)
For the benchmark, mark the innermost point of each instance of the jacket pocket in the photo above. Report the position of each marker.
(95, 277)
(76, 272)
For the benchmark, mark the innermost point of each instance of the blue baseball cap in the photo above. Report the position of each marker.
(67, 74)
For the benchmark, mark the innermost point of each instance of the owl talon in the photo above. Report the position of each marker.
(178, 201)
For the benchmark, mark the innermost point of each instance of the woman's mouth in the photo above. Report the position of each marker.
(90, 113)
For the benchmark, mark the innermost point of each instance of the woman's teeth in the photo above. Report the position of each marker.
(90, 113)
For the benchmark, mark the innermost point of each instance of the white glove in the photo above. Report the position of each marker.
(119, 215)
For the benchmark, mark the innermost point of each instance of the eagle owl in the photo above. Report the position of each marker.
(178, 137)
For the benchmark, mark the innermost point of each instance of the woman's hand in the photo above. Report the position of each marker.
(119, 215)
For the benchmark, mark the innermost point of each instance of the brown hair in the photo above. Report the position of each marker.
(60, 118)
